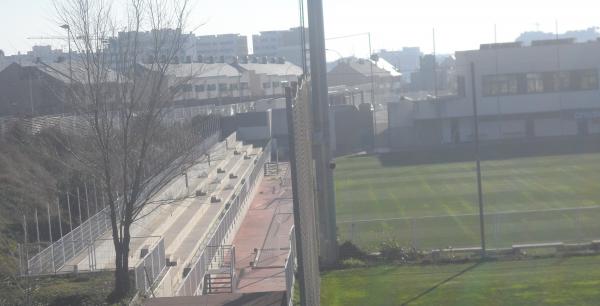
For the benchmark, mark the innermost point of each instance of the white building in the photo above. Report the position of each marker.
(224, 83)
(286, 43)
(192, 47)
(550, 88)
(227, 45)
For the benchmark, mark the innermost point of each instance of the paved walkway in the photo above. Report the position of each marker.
(266, 228)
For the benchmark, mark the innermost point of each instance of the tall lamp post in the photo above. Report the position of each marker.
(371, 59)
(68, 28)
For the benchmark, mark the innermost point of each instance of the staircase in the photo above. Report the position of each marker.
(220, 277)
(271, 169)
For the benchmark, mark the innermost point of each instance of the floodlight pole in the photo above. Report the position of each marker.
(371, 65)
(478, 161)
(321, 140)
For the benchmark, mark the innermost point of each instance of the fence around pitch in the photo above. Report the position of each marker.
(54, 257)
(502, 229)
(219, 232)
(150, 267)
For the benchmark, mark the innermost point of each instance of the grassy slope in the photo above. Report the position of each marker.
(571, 281)
(367, 190)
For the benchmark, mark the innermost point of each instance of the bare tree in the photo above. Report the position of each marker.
(128, 140)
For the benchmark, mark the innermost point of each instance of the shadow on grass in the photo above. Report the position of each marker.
(429, 290)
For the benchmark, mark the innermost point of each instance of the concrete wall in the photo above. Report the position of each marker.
(254, 126)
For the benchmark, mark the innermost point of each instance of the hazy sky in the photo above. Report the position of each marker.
(459, 24)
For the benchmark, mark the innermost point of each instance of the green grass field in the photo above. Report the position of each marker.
(437, 203)
(556, 281)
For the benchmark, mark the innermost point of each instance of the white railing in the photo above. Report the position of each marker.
(150, 267)
(290, 268)
(218, 233)
(54, 258)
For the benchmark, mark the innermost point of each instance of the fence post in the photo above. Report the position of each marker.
(50, 235)
(413, 231)
(60, 230)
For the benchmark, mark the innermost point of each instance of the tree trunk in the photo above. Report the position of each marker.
(122, 283)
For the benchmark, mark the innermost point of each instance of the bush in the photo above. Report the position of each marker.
(392, 251)
(348, 250)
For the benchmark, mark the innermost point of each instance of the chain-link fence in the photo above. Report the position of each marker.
(503, 230)
(222, 230)
(303, 182)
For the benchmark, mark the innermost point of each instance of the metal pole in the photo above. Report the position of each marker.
(50, 235)
(87, 204)
(79, 206)
(37, 229)
(321, 140)
(96, 197)
(70, 61)
(60, 229)
(69, 207)
(372, 76)
(25, 244)
(478, 161)
(373, 92)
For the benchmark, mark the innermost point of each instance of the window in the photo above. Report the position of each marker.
(562, 80)
(266, 85)
(276, 84)
(233, 86)
(222, 87)
(211, 87)
(588, 79)
(186, 88)
(535, 83)
(498, 85)
(200, 88)
(244, 85)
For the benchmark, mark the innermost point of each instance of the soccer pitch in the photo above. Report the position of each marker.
(527, 200)
(553, 281)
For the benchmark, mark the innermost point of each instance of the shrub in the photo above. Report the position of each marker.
(392, 251)
(348, 250)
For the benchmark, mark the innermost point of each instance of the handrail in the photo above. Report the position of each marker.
(192, 281)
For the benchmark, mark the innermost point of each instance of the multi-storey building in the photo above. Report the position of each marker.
(227, 45)
(220, 82)
(549, 88)
(286, 43)
(156, 45)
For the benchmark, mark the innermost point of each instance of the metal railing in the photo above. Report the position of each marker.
(219, 232)
(150, 267)
(54, 257)
(290, 268)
